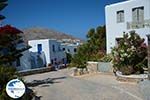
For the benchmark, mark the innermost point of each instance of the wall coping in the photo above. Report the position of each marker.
(140, 76)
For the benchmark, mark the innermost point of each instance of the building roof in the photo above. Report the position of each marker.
(119, 3)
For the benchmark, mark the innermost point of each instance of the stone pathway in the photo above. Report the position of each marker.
(88, 87)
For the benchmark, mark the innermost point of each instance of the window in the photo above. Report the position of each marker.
(63, 49)
(138, 14)
(39, 47)
(68, 50)
(75, 50)
(52, 62)
(118, 40)
(53, 48)
(59, 49)
(120, 16)
(18, 62)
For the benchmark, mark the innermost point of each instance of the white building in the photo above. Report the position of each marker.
(124, 17)
(51, 49)
(37, 60)
(23, 63)
(70, 45)
(69, 48)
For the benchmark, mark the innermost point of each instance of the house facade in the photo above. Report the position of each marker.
(51, 49)
(69, 48)
(24, 62)
(125, 17)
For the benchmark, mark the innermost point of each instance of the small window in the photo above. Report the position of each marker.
(52, 62)
(68, 50)
(138, 14)
(59, 49)
(18, 62)
(118, 40)
(53, 48)
(39, 47)
(120, 16)
(75, 49)
(63, 49)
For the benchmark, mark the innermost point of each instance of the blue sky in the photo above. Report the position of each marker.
(73, 17)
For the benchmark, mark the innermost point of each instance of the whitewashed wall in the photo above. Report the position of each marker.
(58, 53)
(45, 47)
(25, 63)
(69, 47)
(24, 60)
(114, 29)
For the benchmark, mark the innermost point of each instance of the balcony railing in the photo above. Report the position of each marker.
(138, 25)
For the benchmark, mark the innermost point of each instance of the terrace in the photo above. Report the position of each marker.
(137, 25)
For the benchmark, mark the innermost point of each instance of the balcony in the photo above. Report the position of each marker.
(138, 25)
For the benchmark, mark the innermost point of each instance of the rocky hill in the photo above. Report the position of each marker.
(42, 33)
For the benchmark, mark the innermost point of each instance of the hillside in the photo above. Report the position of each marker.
(42, 33)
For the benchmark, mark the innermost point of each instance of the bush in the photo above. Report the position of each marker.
(129, 54)
(10, 38)
(91, 50)
(78, 61)
(7, 74)
(69, 57)
(106, 58)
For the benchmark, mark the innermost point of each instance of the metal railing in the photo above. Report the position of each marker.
(138, 25)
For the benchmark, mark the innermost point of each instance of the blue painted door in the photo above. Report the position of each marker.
(39, 48)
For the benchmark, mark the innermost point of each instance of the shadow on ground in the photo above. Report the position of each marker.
(37, 98)
(44, 82)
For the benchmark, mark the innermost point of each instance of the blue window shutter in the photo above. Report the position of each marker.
(39, 47)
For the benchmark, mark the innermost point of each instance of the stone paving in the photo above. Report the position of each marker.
(87, 87)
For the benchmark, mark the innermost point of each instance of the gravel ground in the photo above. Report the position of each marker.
(87, 87)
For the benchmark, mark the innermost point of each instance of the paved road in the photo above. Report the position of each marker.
(90, 87)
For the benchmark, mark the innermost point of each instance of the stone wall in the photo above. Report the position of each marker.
(35, 71)
(105, 67)
(92, 66)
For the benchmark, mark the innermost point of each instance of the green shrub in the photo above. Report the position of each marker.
(129, 53)
(10, 37)
(91, 50)
(7, 74)
(69, 57)
(106, 58)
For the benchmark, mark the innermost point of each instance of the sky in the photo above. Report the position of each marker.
(74, 17)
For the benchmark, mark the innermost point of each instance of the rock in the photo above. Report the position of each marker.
(85, 71)
(92, 67)
(75, 72)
